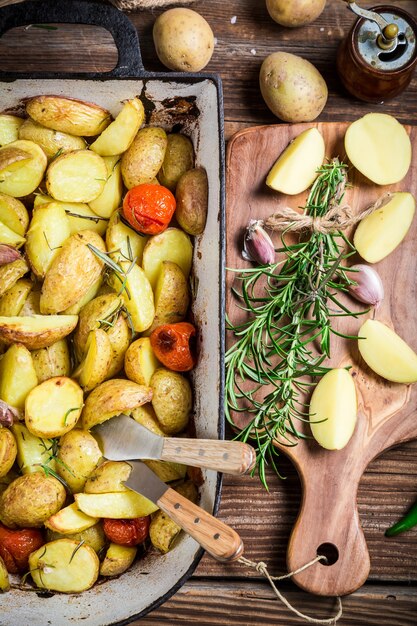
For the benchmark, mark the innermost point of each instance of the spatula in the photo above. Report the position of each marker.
(121, 439)
(221, 541)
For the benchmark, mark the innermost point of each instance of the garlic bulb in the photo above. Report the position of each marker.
(257, 244)
(368, 288)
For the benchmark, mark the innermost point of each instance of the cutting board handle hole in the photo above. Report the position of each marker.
(330, 551)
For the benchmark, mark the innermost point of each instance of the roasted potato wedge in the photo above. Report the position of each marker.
(30, 499)
(36, 331)
(70, 520)
(24, 180)
(94, 369)
(93, 537)
(111, 197)
(17, 376)
(172, 297)
(163, 530)
(87, 297)
(119, 335)
(137, 294)
(140, 361)
(191, 195)
(103, 308)
(10, 274)
(111, 398)
(179, 157)
(108, 478)
(146, 416)
(53, 407)
(48, 230)
(52, 142)
(117, 560)
(8, 451)
(122, 242)
(142, 161)
(68, 115)
(79, 455)
(31, 304)
(125, 505)
(4, 577)
(172, 400)
(9, 237)
(73, 271)
(12, 159)
(171, 245)
(32, 452)
(52, 361)
(64, 565)
(77, 176)
(167, 471)
(117, 137)
(13, 214)
(12, 301)
(9, 128)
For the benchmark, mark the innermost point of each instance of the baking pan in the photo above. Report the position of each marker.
(180, 101)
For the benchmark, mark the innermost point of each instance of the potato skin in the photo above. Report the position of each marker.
(11, 273)
(100, 308)
(49, 140)
(52, 361)
(179, 157)
(8, 451)
(79, 454)
(19, 330)
(68, 115)
(192, 201)
(172, 296)
(295, 13)
(30, 499)
(142, 161)
(172, 400)
(292, 87)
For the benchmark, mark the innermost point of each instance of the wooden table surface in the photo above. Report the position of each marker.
(229, 594)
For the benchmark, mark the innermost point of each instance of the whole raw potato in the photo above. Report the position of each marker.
(292, 87)
(296, 12)
(183, 40)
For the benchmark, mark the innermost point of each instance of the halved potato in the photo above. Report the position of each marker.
(142, 161)
(70, 520)
(12, 301)
(136, 291)
(81, 217)
(172, 297)
(171, 245)
(10, 274)
(95, 367)
(117, 137)
(9, 128)
(13, 214)
(37, 331)
(98, 313)
(17, 376)
(77, 176)
(146, 416)
(140, 361)
(111, 197)
(108, 478)
(172, 400)
(24, 180)
(93, 537)
(119, 335)
(32, 452)
(123, 243)
(4, 577)
(117, 560)
(48, 230)
(52, 361)
(31, 304)
(64, 565)
(89, 295)
(12, 159)
(53, 407)
(163, 531)
(179, 158)
(126, 505)
(112, 398)
(68, 115)
(73, 271)
(8, 451)
(52, 142)
(78, 456)
(9, 237)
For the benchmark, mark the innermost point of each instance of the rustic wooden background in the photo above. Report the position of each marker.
(230, 595)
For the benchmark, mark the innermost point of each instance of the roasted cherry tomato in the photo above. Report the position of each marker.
(16, 545)
(127, 532)
(173, 345)
(149, 208)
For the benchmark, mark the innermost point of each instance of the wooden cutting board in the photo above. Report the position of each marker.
(328, 521)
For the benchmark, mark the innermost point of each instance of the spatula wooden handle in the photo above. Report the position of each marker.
(230, 457)
(221, 541)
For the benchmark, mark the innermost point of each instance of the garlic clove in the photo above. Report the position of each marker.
(8, 414)
(368, 288)
(8, 254)
(257, 244)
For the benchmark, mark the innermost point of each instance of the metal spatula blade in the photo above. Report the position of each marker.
(121, 439)
(144, 481)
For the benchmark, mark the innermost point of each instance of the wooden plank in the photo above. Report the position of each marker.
(248, 603)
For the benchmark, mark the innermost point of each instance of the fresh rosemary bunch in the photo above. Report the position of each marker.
(279, 350)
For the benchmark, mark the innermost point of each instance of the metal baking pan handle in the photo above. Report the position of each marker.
(91, 12)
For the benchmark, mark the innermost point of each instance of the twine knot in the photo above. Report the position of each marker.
(261, 567)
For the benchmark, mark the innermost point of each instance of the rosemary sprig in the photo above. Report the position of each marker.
(280, 348)
(117, 270)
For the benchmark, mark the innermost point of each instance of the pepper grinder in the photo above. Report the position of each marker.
(377, 59)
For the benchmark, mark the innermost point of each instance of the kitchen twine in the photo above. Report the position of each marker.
(337, 218)
(262, 569)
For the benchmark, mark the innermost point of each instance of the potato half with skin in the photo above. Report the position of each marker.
(191, 195)
(79, 455)
(146, 416)
(120, 336)
(172, 297)
(13, 214)
(172, 245)
(117, 137)
(17, 376)
(10, 238)
(13, 300)
(11, 273)
(142, 161)
(93, 536)
(26, 179)
(9, 128)
(163, 531)
(123, 242)
(32, 452)
(78, 176)
(110, 198)
(73, 271)
(87, 297)
(112, 398)
(140, 361)
(48, 230)
(94, 369)
(8, 451)
(104, 307)
(117, 560)
(52, 361)
(53, 407)
(52, 142)
(137, 294)
(36, 331)
(12, 159)
(30, 499)
(64, 565)
(172, 400)
(68, 115)
(179, 157)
